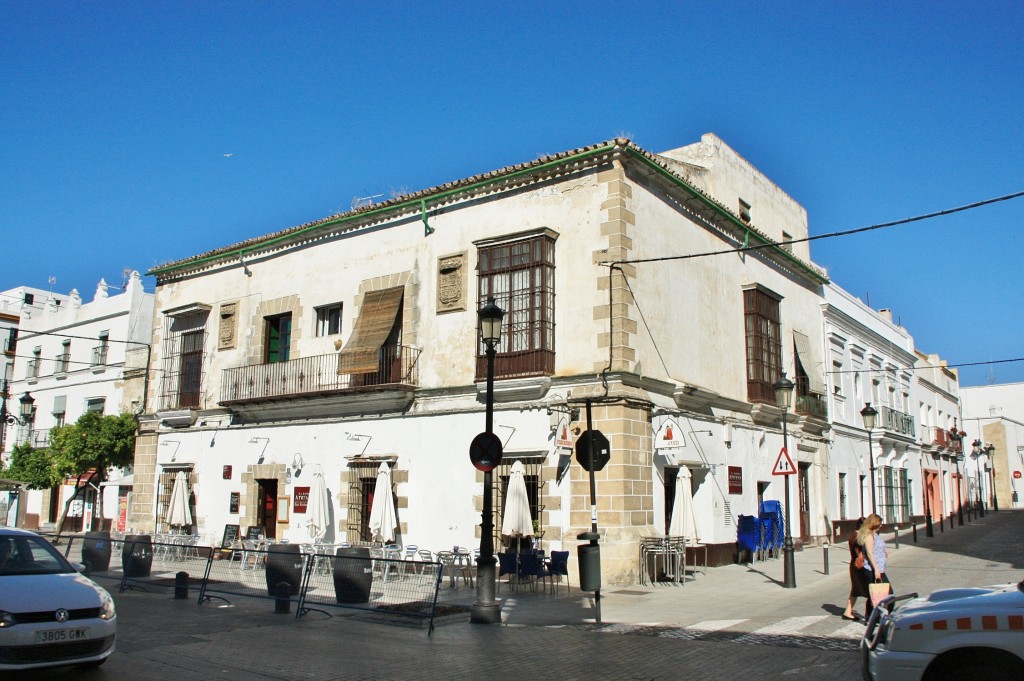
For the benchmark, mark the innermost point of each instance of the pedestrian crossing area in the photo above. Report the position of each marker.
(820, 632)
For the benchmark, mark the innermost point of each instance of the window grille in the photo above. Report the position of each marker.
(184, 358)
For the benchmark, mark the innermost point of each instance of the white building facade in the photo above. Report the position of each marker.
(870, 362)
(342, 344)
(993, 417)
(73, 357)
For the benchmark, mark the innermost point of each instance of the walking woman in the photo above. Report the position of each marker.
(858, 575)
(875, 553)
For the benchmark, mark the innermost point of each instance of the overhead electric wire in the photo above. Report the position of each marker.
(848, 232)
(614, 264)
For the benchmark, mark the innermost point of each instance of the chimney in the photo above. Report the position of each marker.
(886, 314)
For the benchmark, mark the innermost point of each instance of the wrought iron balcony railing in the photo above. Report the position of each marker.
(99, 355)
(896, 421)
(317, 375)
(812, 405)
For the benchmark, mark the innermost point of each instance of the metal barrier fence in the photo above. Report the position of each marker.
(354, 579)
(255, 573)
(385, 587)
(137, 562)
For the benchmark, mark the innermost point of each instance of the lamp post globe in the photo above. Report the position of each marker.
(870, 415)
(783, 396)
(486, 609)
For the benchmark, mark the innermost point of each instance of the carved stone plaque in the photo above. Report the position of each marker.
(227, 331)
(451, 283)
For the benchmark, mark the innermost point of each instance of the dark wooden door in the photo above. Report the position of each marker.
(805, 502)
(266, 507)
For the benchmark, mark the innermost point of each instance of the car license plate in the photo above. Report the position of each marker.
(60, 635)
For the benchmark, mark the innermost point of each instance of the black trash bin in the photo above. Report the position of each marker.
(284, 564)
(137, 555)
(589, 556)
(353, 575)
(96, 551)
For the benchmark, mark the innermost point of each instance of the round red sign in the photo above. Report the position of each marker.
(1016, 474)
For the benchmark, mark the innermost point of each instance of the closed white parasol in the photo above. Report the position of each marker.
(382, 513)
(517, 520)
(319, 510)
(178, 512)
(683, 523)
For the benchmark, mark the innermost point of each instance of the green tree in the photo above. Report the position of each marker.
(34, 467)
(91, 445)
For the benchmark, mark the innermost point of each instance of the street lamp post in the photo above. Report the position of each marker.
(976, 452)
(28, 412)
(869, 414)
(989, 448)
(486, 609)
(783, 394)
(958, 450)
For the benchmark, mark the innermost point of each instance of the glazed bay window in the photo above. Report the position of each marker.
(763, 333)
(520, 275)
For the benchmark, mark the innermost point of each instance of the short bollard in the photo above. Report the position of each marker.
(282, 598)
(181, 586)
(915, 532)
(824, 554)
(896, 535)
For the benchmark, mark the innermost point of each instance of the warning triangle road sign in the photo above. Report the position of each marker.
(783, 464)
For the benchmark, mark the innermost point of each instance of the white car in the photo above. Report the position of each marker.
(50, 613)
(974, 633)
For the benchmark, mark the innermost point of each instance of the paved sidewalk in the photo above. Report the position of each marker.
(985, 551)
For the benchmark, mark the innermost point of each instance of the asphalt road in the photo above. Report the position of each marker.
(734, 623)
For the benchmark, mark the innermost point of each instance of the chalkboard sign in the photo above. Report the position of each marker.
(254, 532)
(230, 535)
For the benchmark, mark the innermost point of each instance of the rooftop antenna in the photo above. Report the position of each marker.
(360, 201)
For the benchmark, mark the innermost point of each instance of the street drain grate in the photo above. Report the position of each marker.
(627, 592)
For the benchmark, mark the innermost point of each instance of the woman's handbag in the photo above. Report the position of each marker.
(859, 563)
(878, 591)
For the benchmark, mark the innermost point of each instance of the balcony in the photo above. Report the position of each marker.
(61, 363)
(940, 438)
(812, 405)
(896, 422)
(265, 389)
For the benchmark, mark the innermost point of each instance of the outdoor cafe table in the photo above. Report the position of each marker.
(672, 553)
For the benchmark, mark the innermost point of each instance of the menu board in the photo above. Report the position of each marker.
(254, 532)
(230, 535)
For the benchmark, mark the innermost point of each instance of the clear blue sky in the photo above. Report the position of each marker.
(134, 133)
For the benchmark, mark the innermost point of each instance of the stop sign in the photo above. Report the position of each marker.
(602, 450)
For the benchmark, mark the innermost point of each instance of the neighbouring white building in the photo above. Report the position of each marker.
(993, 417)
(14, 304)
(73, 357)
(352, 341)
(937, 396)
(870, 362)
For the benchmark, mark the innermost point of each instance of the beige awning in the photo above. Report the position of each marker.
(809, 361)
(376, 318)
